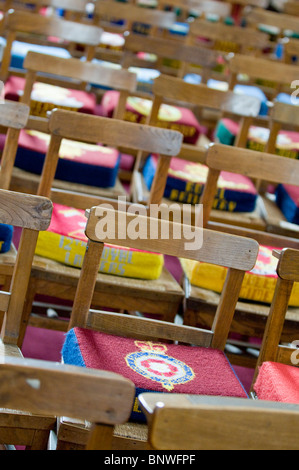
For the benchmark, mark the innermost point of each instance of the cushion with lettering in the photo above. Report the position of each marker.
(258, 285)
(79, 162)
(65, 242)
(287, 199)
(46, 97)
(185, 183)
(154, 366)
(170, 117)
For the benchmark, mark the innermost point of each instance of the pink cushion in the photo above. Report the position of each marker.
(46, 97)
(277, 382)
(154, 366)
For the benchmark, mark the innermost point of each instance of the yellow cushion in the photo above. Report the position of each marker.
(258, 285)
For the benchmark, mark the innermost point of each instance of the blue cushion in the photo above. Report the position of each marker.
(6, 233)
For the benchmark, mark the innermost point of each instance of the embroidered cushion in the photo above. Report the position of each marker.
(287, 144)
(277, 382)
(79, 162)
(46, 97)
(185, 183)
(155, 367)
(258, 285)
(287, 199)
(65, 242)
(170, 117)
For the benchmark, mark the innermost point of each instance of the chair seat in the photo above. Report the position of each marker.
(45, 97)
(277, 382)
(170, 117)
(157, 367)
(65, 242)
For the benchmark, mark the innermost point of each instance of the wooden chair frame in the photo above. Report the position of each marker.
(160, 297)
(17, 22)
(216, 247)
(32, 214)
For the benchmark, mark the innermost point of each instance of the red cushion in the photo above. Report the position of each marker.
(277, 382)
(156, 367)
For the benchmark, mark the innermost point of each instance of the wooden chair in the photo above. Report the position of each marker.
(193, 422)
(161, 296)
(280, 21)
(283, 118)
(276, 375)
(32, 214)
(228, 38)
(27, 386)
(217, 247)
(142, 20)
(25, 25)
(291, 8)
(172, 58)
(250, 317)
(55, 69)
(172, 90)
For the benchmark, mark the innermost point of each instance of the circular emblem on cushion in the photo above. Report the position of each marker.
(152, 363)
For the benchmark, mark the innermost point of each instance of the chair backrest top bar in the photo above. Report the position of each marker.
(95, 129)
(13, 114)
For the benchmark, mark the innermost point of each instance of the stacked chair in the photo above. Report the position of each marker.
(108, 110)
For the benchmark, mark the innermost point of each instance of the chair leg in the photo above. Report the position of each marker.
(26, 312)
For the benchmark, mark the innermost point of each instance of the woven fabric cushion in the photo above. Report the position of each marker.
(46, 97)
(277, 382)
(287, 199)
(155, 367)
(65, 242)
(258, 285)
(20, 50)
(6, 234)
(79, 162)
(170, 117)
(186, 180)
(287, 144)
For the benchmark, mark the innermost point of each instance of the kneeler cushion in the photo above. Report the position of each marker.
(287, 144)
(6, 234)
(46, 97)
(170, 117)
(154, 367)
(287, 199)
(277, 382)
(65, 242)
(258, 285)
(185, 184)
(82, 163)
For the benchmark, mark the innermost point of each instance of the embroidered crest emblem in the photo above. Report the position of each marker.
(153, 363)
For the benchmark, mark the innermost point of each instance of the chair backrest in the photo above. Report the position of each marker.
(228, 38)
(198, 7)
(106, 10)
(238, 254)
(282, 116)
(271, 348)
(291, 8)
(258, 68)
(16, 22)
(282, 21)
(193, 422)
(40, 387)
(13, 118)
(32, 214)
(254, 164)
(110, 132)
(83, 72)
(169, 49)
